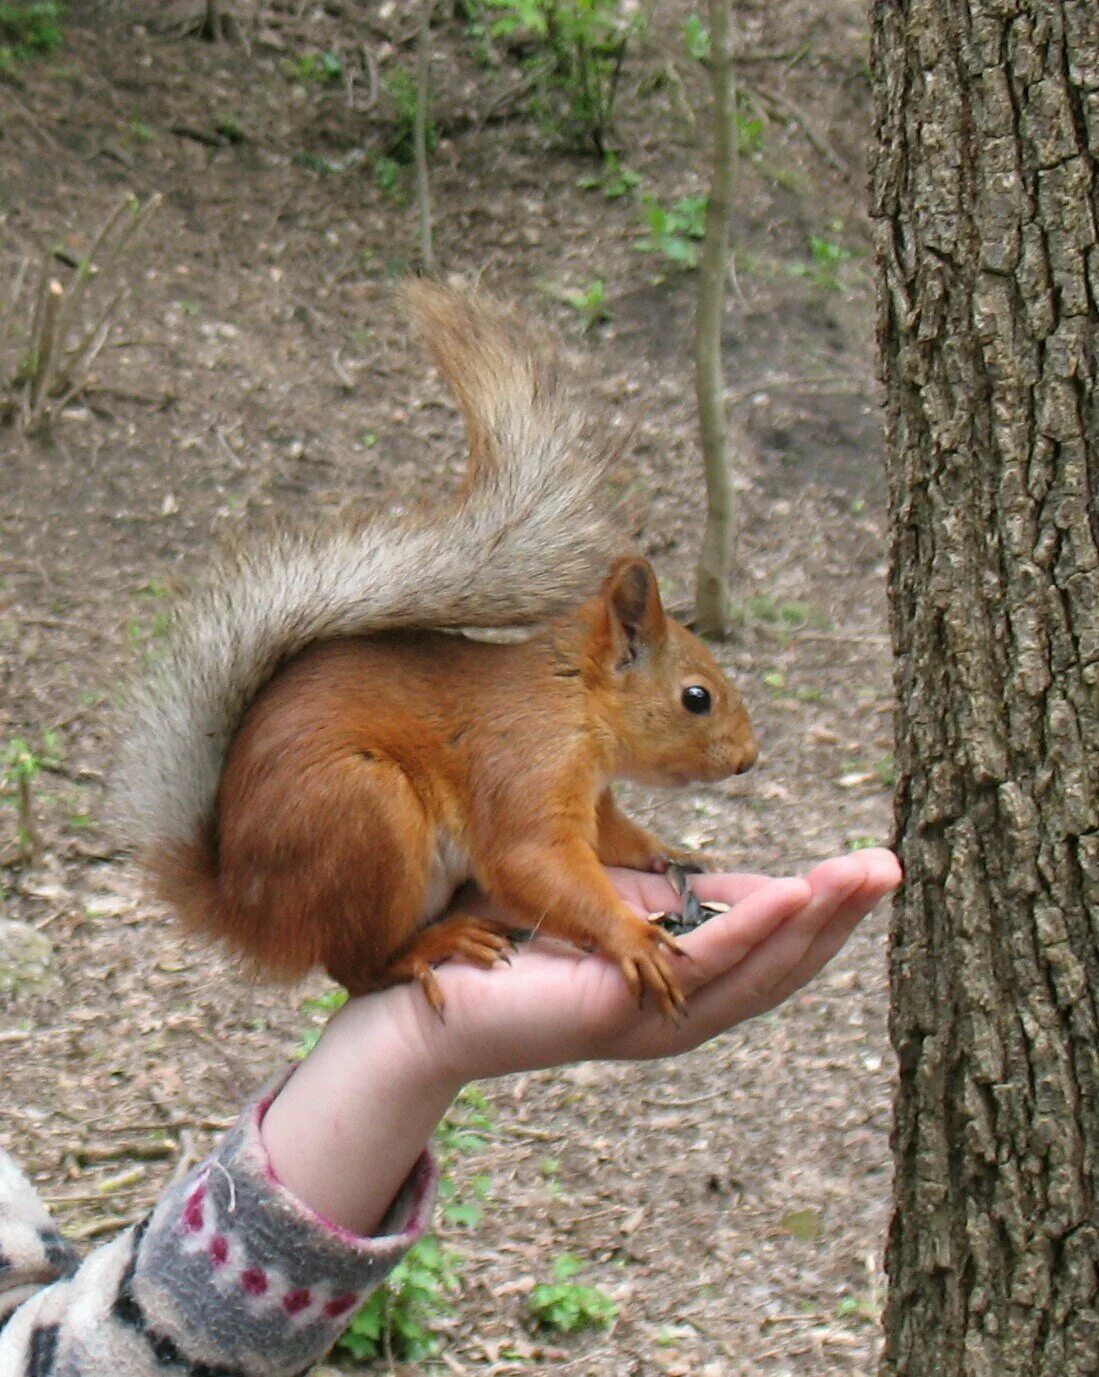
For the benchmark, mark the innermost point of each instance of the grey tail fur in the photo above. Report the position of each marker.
(529, 536)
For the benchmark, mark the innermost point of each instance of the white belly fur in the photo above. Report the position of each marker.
(450, 868)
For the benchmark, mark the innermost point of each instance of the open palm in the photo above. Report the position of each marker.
(555, 1004)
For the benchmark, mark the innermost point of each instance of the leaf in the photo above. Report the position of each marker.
(808, 1225)
(567, 1265)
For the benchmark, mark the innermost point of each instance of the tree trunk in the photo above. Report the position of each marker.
(712, 611)
(984, 199)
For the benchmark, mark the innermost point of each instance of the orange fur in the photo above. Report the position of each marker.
(373, 775)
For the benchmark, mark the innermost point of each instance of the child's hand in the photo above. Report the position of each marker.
(557, 1005)
(375, 1086)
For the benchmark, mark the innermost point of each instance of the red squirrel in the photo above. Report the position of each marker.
(323, 757)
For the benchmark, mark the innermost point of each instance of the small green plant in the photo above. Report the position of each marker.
(696, 36)
(140, 633)
(613, 181)
(589, 302)
(865, 1308)
(581, 45)
(827, 258)
(318, 1008)
(314, 69)
(390, 177)
(313, 162)
(28, 29)
(568, 1305)
(402, 88)
(464, 1214)
(675, 233)
(784, 617)
(154, 588)
(749, 129)
(230, 129)
(20, 766)
(398, 1316)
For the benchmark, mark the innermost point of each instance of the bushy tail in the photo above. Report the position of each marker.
(529, 536)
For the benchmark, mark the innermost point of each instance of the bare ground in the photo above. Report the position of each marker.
(734, 1202)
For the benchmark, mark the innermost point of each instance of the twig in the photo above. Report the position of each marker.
(791, 55)
(372, 77)
(540, 1135)
(341, 372)
(205, 1125)
(685, 1104)
(89, 1154)
(843, 637)
(32, 119)
(45, 344)
(8, 304)
(59, 353)
(671, 71)
(106, 1224)
(818, 141)
(835, 383)
(160, 400)
(712, 612)
(212, 23)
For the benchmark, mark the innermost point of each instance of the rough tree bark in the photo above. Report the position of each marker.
(985, 204)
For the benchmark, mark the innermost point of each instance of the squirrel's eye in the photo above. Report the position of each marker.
(696, 699)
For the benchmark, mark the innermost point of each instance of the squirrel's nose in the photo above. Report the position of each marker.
(748, 757)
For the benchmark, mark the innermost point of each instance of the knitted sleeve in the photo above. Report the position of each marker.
(229, 1276)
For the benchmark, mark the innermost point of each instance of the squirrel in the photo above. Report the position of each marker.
(324, 755)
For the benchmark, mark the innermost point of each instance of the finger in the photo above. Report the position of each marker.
(883, 877)
(803, 946)
(728, 888)
(785, 958)
(650, 893)
(831, 939)
(883, 868)
(726, 940)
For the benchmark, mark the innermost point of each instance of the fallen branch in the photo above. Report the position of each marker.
(823, 148)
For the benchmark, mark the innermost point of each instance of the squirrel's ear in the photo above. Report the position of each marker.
(634, 609)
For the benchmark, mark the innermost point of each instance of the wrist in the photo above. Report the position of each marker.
(398, 1030)
(348, 1126)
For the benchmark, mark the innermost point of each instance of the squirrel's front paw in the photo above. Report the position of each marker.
(674, 858)
(642, 952)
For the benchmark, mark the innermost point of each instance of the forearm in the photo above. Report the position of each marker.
(231, 1272)
(344, 1132)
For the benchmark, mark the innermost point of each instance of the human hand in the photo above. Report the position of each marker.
(556, 1005)
(387, 1066)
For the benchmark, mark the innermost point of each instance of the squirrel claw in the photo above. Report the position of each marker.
(648, 969)
(425, 977)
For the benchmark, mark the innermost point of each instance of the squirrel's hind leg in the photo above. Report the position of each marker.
(461, 937)
(372, 870)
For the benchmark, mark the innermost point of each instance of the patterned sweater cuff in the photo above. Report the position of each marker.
(235, 1269)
